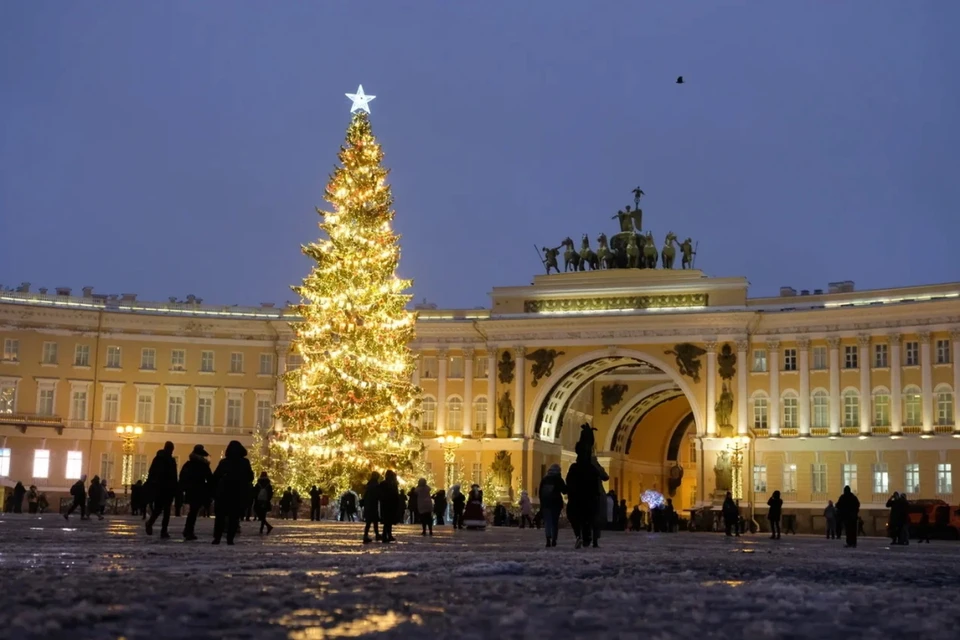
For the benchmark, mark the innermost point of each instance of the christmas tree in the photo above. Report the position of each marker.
(351, 405)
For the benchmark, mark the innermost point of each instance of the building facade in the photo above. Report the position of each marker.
(694, 387)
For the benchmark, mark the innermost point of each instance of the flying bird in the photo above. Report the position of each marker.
(679, 79)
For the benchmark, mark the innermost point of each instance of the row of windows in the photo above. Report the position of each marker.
(851, 357)
(850, 415)
(148, 358)
(430, 368)
(880, 476)
(454, 413)
(145, 407)
(44, 465)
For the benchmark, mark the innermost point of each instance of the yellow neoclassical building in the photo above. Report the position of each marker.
(693, 386)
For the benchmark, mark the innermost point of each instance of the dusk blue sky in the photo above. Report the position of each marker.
(168, 148)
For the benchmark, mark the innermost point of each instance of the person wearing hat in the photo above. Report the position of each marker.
(195, 484)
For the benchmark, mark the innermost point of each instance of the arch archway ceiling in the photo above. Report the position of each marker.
(624, 430)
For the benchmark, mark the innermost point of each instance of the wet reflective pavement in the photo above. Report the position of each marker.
(307, 580)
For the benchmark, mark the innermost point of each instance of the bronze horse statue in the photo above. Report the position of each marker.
(587, 257)
(571, 259)
(604, 255)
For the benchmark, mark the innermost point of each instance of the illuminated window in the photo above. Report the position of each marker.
(760, 412)
(4, 462)
(429, 417)
(760, 478)
(41, 463)
(759, 360)
(820, 405)
(74, 465)
(850, 476)
(454, 414)
(851, 408)
(818, 475)
(911, 407)
(911, 478)
(881, 478)
(881, 408)
(480, 414)
(944, 478)
(791, 410)
(789, 478)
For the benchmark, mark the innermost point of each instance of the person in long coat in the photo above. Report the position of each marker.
(585, 509)
(262, 501)
(196, 482)
(389, 494)
(231, 482)
(162, 487)
(371, 508)
(848, 512)
(774, 510)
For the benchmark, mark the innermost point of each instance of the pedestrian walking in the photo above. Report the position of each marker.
(96, 498)
(161, 487)
(389, 494)
(552, 490)
(263, 495)
(33, 499)
(314, 503)
(526, 510)
(424, 503)
(830, 515)
(231, 482)
(440, 506)
(586, 508)
(371, 508)
(731, 515)
(79, 494)
(774, 511)
(196, 482)
(459, 502)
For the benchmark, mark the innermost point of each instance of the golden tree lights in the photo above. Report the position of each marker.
(351, 405)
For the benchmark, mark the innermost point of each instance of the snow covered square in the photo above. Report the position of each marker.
(107, 579)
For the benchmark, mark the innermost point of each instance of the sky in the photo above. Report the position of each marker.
(177, 147)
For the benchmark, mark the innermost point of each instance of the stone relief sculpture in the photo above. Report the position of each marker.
(688, 359)
(724, 407)
(675, 479)
(723, 472)
(502, 470)
(542, 363)
(506, 415)
(505, 368)
(726, 362)
(610, 396)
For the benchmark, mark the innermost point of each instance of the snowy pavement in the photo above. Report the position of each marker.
(309, 581)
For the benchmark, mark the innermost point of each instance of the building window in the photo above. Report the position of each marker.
(692, 452)
(850, 357)
(912, 354)
(454, 414)
(911, 478)
(760, 478)
(881, 408)
(428, 367)
(264, 413)
(820, 409)
(4, 462)
(178, 360)
(820, 358)
(818, 475)
(480, 369)
(476, 477)
(107, 464)
(74, 465)
(175, 409)
(206, 361)
(205, 410)
(81, 356)
(911, 407)
(759, 360)
(880, 356)
(234, 412)
(236, 362)
(760, 412)
(294, 361)
(113, 358)
(11, 350)
(789, 359)
(790, 478)
(791, 411)
(943, 352)
(111, 406)
(45, 402)
(480, 414)
(8, 398)
(41, 463)
(140, 467)
(944, 478)
(428, 420)
(78, 405)
(851, 408)
(456, 367)
(944, 407)
(145, 408)
(266, 364)
(850, 477)
(881, 478)
(148, 359)
(49, 353)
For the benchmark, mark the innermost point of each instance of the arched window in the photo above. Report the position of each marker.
(851, 408)
(428, 420)
(911, 407)
(791, 410)
(454, 413)
(943, 395)
(881, 407)
(820, 409)
(761, 411)
(480, 414)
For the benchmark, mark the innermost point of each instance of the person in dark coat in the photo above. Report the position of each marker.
(551, 492)
(895, 519)
(162, 488)
(389, 495)
(286, 502)
(231, 482)
(136, 496)
(585, 488)
(848, 512)
(18, 493)
(96, 497)
(775, 504)
(371, 508)
(440, 506)
(314, 503)
(459, 502)
(731, 515)
(79, 494)
(262, 497)
(195, 484)
(636, 519)
(923, 528)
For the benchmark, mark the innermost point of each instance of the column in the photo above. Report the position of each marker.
(711, 347)
(743, 420)
(468, 392)
(955, 344)
(896, 387)
(491, 391)
(518, 401)
(803, 354)
(441, 391)
(866, 393)
(926, 382)
(773, 367)
(415, 378)
(834, 346)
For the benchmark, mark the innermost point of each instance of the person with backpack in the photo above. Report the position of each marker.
(263, 495)
(231, 481)
(552, 489)
(79, 494)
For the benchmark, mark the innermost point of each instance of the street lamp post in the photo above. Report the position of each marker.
(736, 468)
(450, 444)
(129, 434)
